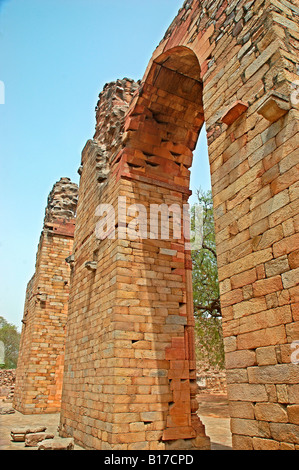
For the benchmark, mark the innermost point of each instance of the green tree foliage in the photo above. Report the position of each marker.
(10, 337)
(207, 309)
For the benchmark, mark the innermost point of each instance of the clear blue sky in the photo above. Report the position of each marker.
(55, 58)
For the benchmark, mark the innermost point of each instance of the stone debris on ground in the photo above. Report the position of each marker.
(33, 440)
(38, 437)
(6, 411)
(57, 444)
(21, 425)
(19, 434)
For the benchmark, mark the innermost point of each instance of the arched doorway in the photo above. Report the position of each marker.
(169, 107)
(163, 124)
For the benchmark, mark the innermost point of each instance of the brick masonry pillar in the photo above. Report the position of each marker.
(41, 356)
(130, 374)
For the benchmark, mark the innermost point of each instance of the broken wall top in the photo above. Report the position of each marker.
(62, 201)
(111, 108)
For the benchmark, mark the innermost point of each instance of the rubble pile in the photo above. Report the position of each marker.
(211, 380)
(7, 383)
(38, 437)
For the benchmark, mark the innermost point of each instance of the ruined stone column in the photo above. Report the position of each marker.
(129, 364)
(41, 355)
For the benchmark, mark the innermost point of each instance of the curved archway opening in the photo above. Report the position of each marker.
(165, 119)
(161, 133)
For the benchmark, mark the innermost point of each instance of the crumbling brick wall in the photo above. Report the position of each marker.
(130, 368)
(7, 382)
(40, 363)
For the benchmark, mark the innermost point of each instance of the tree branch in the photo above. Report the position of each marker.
(213, 308)
(205, 247)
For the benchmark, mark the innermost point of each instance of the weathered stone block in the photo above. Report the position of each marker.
(19, 434)
(249, 427)
(265, 444)
(293, 414)
(282, 432)
(234, 112)
(290, 278)
(32, 439)
(242, 442)
(278, 374)
(241, 410)
(274, 106)
(247, 392)
(240, 359)
(266, 356)
(56, 444)
(273, 412)
(262, 338)
(277, 266)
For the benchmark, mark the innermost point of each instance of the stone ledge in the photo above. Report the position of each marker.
(273, 106)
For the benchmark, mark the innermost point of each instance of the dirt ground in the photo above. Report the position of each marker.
(213, 411)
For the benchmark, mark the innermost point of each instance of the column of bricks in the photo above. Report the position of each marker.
(161, 130)
(126, 384)
(40, 363)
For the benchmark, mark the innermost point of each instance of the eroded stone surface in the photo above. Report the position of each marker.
(56, 444)
(33, 439)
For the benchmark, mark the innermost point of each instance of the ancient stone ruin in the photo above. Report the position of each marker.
(129, 378)
(41, 355)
